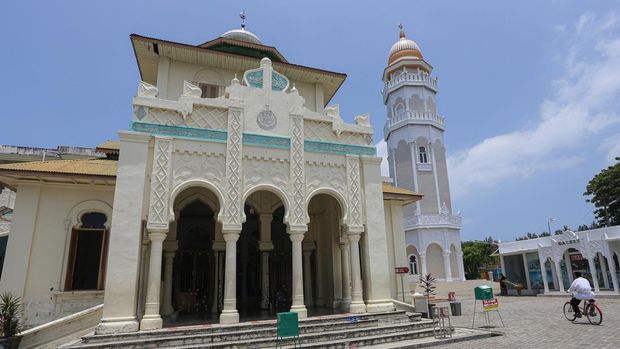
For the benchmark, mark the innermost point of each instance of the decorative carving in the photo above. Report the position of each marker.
(160, 184)
(278, 82)
(266, 119)
(363, 120)
(191, 90)
(188, 166)
(323, 131)
(201, 117)
(265, 171)
(233, 204)
(298, 184)
(326, 176)
(355, 195)
(147, 90)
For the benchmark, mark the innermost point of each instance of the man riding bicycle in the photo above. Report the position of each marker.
(581, 291)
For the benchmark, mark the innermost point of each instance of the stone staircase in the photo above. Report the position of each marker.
(332, 331)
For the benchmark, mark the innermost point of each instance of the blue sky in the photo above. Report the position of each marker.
(529, 89)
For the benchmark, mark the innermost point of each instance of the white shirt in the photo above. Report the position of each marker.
(581, 289)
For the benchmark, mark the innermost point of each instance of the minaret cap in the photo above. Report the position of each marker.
(404, 48)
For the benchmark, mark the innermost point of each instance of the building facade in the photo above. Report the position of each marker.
(549, 263)
(417, 160)
(235, 193)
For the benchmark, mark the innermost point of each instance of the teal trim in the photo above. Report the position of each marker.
(181, 131)
(266, 141)
(338, 148)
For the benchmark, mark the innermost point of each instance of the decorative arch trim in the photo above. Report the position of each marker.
(196, 183)
(86, 206)
(336, 195)
(272, 189)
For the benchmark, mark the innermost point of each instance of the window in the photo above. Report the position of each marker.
(423, 156)
(87, 252)
(209, 90)
(413, 265)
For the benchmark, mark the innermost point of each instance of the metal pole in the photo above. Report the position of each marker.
(402, 286)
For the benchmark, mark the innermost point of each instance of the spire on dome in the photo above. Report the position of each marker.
(242, 16)
(402, 31)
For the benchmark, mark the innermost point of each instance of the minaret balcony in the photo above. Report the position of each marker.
(432, 221)
(417, 79)
(414, 117)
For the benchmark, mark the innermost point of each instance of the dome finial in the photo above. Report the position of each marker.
(402, 31)
(242, 16)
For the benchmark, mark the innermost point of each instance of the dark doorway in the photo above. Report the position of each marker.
(281, 263)
(248, 265)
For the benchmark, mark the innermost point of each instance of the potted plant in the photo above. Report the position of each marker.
(427, 283)
(10, 321)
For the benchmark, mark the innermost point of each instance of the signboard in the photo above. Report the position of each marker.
(490, 304)
(401, 270)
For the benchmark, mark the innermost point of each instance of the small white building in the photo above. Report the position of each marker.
(549, 263)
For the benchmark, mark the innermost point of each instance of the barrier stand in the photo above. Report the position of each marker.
(288, 326)
(440, 331)
(488, 305)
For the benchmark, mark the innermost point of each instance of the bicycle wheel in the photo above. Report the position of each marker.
(569, 314)
(594, 314)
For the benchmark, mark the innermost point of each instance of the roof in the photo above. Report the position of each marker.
(109, 147)
(148, 50)
(88, 167)
(391, 192)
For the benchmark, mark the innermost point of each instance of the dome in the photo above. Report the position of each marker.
(404, 48)
(242, 35)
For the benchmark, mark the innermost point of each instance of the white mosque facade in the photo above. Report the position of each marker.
(235, 191)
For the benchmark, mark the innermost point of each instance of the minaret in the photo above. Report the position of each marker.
(416, 150)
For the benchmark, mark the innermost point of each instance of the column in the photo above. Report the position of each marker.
(229, 314)
(459, 262)
(569, 267)
(346, 275)
(414, 156)
(554, 277)
(434, 163)
(527, 272)
(447, 270)
(219, 248)
(298, 279)
(357, 299)
(169, 253)
(558, 272)
(543, 272)
(151, 319)
(423, 263)
(601, 259)
(612, 271)
(594, 274)
(307, 277)
(265, 247)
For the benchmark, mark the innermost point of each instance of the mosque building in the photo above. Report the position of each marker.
(235, 193)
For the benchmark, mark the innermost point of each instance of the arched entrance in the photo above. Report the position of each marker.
(434, 261)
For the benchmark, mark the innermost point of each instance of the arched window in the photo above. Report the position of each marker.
(400, 109)
(87, 252)
(413, 265)
(423, 156)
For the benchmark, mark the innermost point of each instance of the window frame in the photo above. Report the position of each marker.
(423, 155)
(414, 263)
(103, 253)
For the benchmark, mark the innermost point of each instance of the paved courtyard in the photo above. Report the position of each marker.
(538, 322)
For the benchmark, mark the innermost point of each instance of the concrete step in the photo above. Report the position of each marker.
(376, 328)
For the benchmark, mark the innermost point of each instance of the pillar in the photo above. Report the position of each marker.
(229, 314)
(152, 319)
(307, 277)
(459, 262)
(543, 272)
(554, 278)
(601, 259)
(527, 272)
(298, 305)
(423, 263)
(558, 271)
(357, 300)
(219, 248)
(594, 274)
(569, 267)
(446, 265)
(346, 275)
(612, 271)
(169, 253)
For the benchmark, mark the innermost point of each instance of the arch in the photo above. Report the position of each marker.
(201, 183)
(411, 250)
(434, 260)
(333, 193)
(73, 217)
(274, 190)
(433, 242)
(209, 76)
(179, 206)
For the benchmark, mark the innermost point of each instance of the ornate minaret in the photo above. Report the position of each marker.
(417, 160)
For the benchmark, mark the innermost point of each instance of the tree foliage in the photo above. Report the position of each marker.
(604, 192)
(477, 254)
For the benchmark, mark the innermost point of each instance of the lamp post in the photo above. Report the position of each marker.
(549, 224)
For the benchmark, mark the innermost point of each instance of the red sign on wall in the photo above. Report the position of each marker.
(401, 270)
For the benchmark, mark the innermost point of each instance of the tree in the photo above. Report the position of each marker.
(477, 254)
(604, 192)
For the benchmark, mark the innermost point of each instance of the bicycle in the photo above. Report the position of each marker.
(589, 308)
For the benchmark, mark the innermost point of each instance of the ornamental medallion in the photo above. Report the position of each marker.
(266, 120)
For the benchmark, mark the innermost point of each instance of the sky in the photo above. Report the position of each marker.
(529, 89)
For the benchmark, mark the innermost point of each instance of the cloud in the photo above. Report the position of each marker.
(612, 147)
(581, 106)
(382, 152)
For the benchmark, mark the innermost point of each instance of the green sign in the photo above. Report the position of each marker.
(288, 324)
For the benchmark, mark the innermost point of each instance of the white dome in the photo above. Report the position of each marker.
(242, 35)
(404, 44)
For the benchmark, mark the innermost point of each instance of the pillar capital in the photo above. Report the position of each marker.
(296, 236)
(309, 246)
(265, 246)
(219, 245)
(354, 237)
(446, 253)
(231, 235)
(157, 236)
(171, 246)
